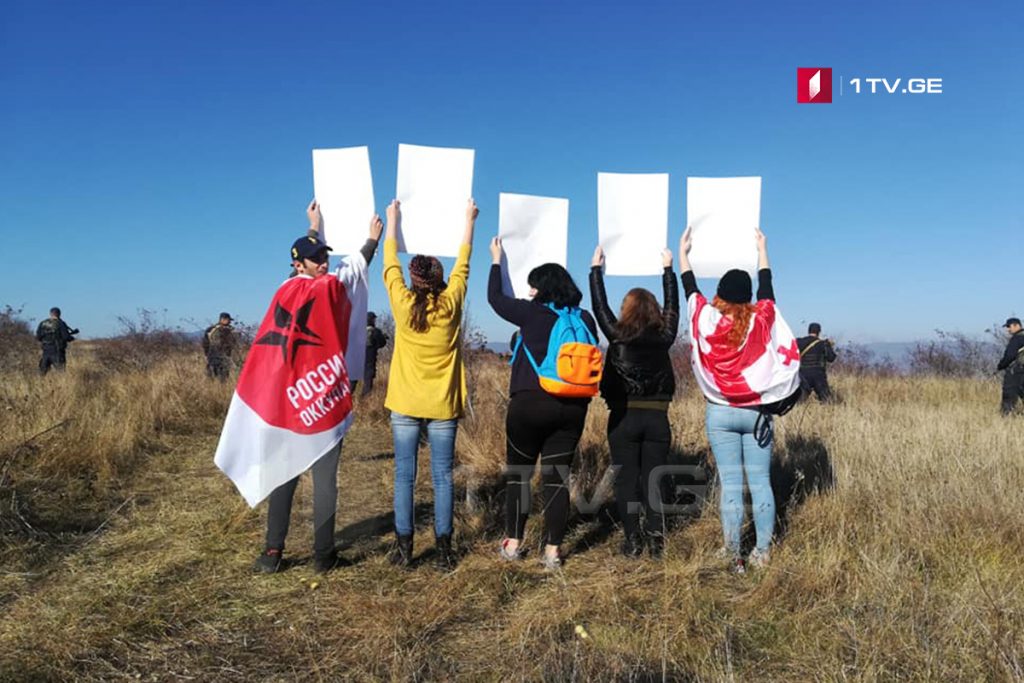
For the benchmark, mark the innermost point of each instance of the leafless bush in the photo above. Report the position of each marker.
(143, 342)
(16, 339)
(954, 354)
(861, 361)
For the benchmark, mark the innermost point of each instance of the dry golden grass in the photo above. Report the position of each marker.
(901, 557)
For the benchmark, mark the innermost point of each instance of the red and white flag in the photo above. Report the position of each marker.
(293, 401)
(765, 369)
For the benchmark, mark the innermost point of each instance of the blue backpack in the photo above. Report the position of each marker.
(573, 364)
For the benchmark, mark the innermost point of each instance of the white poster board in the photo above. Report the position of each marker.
(632, 221)
(434, 184)
(723, 213)
(533, 231)
(343, 186)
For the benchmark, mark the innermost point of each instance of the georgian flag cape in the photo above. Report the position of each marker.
(293, 401)
(765, 369)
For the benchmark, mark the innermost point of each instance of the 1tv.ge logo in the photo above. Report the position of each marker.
(814, 85)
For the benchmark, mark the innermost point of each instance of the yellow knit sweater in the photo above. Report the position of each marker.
(427, 378)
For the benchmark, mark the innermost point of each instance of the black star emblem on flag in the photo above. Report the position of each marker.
(295, 330)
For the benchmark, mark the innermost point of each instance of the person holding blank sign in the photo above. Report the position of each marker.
(427, 383)
(538, 423)
(638, 385)
(746, 361)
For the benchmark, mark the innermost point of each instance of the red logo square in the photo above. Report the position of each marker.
(814, 85)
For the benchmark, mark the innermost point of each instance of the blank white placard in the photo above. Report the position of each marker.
(723, 213)
(533, 231)
(343, 186)
(434, 184)
(632, 221)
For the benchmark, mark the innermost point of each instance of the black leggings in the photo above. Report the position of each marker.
(640, 439)
(541, 424)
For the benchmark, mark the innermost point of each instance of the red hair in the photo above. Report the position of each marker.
(740, 315)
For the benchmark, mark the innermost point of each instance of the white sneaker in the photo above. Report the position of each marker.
(759, 559)
(510, 555)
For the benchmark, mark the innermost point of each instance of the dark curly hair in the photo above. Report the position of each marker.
(427, 275)
(554, 285)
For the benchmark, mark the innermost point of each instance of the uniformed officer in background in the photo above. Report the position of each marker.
(54, 335)
(816, 353)
(1012, 363)
(219, 343)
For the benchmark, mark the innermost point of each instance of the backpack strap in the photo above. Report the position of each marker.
(568, 312)
(810, 346)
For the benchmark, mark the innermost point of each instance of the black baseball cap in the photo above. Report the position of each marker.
(1012, 321)
(307, 247)
(225, 315)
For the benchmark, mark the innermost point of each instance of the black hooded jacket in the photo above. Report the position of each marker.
(637, 368)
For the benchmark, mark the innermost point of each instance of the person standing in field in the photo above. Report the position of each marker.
(638, 385)
(538, 423)
(427, 380)
(1012, 363)
(744, 357)
(375, 341)
(54, 335)
(816, 353)
(219, 343)
(310, 257)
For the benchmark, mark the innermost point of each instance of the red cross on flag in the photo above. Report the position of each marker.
(765, 369)
(293, 402)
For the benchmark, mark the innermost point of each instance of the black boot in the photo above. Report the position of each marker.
(632, 546)
(445, 559)
(401, 556)
(656, 545)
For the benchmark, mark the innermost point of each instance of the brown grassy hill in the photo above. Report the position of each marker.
(126, 555)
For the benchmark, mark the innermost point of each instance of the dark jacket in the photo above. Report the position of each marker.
(1012, 357)
(815, 357)
(219, 340)
(637, 368)
(535, 322)
(375, 341)
(55, 333)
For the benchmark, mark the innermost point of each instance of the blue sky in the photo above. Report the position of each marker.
(157, 155)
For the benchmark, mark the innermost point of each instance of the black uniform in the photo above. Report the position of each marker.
(815, 354)
(54, 335)
(1013, 380)
(375, 341)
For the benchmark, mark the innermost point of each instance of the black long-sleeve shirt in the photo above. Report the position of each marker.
(764, 284)
(535, 321)
(640, 367)
(1013, 349)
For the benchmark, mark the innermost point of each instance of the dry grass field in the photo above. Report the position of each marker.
(126, 555)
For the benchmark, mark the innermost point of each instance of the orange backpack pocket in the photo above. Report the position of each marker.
(580, 364)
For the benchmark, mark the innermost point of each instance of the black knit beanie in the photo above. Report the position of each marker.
(735, 287)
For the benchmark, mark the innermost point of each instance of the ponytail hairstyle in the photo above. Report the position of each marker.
(741, 313)
(640, 314)
(427, 275)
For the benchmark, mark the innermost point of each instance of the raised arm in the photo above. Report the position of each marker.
(394, 283)
(460, 271)
(686, 272)
(315, 220)
(764, 273)
(599, 299)
(515, 311)
(670, 310)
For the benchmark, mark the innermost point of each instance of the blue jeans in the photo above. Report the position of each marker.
(731, 434)
(441, 434)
